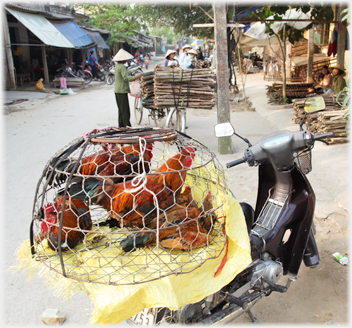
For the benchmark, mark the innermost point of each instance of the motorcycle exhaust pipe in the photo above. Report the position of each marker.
(226, 316)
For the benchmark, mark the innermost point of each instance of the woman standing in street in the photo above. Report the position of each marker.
(122, 87)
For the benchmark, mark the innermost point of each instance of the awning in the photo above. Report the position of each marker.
(97, 38)
(257, 36)
(73, 33)
(42, 28)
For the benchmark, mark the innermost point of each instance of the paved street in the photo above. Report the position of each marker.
(35, 129)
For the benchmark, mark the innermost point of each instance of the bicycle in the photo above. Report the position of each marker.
(155, 114)
(176, 114)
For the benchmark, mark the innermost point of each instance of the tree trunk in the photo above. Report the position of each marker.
(284, 65)
(222, 76)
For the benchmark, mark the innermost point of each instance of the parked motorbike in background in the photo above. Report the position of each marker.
(101, 72)
(132, 69)
(281, 229)
(81, 72)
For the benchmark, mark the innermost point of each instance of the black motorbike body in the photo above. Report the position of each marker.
(295, 216)
(280, 228)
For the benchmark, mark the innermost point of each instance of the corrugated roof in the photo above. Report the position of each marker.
(36, 11)
(73, 33)
(97, 38)
(42, 28)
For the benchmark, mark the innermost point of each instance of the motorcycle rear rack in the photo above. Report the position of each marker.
(269, 215)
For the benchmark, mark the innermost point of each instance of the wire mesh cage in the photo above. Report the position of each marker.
(127, 206)
(303, 160)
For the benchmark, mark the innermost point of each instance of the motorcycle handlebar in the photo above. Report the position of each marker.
(236, 162)
(324, 135)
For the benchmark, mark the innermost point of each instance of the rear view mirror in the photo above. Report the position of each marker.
(224, 130)
(314, 104)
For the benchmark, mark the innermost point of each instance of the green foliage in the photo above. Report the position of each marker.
(167, 32)
(283, 100)
(180, 17)
(346, 13)
(343, 99)
(118, 18)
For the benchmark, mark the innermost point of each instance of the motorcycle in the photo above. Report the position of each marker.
(280, 229)
(100, 71)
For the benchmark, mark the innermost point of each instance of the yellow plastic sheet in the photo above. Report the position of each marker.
(112, 304)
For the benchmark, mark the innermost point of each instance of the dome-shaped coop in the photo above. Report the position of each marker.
(127, 206)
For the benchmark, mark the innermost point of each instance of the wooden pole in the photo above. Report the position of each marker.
(289, 60)
(45, 65)
(222, 72)
(341, 40)
(9, 58)
(310, 55)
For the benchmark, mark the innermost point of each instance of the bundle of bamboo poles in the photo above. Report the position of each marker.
(184, 88)
(293, 91)
(332, 118)
(147, 89)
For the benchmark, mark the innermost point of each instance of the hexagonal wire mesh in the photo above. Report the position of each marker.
(127, 206)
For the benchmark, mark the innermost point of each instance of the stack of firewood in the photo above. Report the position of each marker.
(332, 118)
(147, 89)
(184, 88)
(293, 91)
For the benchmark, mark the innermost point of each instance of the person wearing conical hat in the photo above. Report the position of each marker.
(170, 59)
(184, 54)
(190, 58)
(122, 87)
(338, 82)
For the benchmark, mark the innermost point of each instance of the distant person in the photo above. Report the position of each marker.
(200, 54)
(317, 86)
(146, 61)
(190, 59)
(93, 65)
(206, 49)
(184, 54)
(170, 59)
(339, 82)
(324, 81)
(122, 87)
(255, 59)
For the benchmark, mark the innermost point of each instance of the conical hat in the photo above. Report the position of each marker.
(192, 51)
(186, 46)
(170, 52)
(122, 55)
(338, 67)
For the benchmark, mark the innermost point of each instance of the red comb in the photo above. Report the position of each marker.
(49, 208)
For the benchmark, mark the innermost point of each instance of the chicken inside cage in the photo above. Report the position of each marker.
(152, 190)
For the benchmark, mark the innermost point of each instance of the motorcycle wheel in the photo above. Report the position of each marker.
(87, 77)
(102, 77)
(110, 79)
